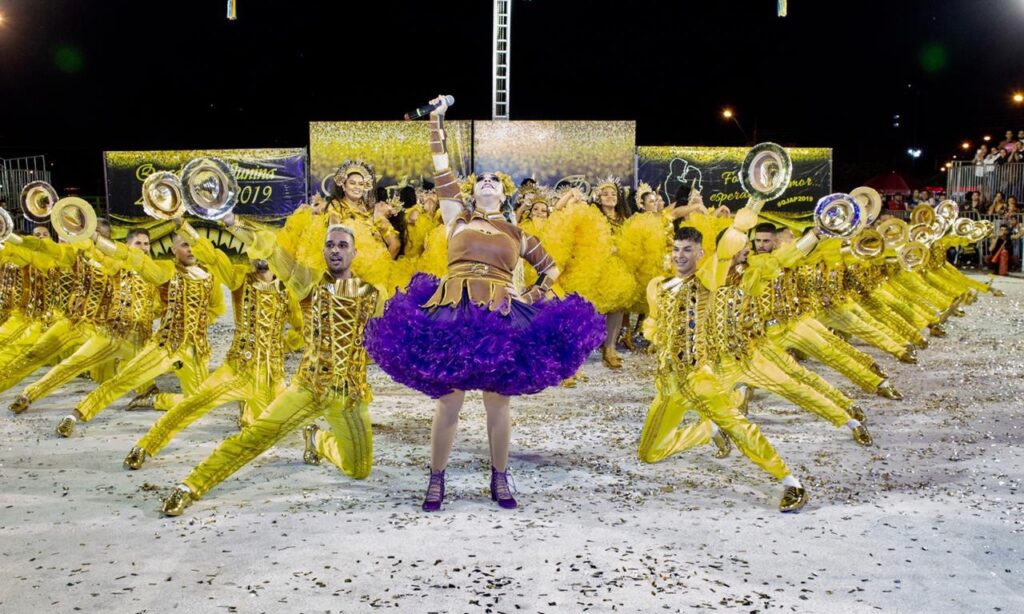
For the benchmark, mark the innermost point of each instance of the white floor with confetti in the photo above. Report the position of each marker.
(928, 520)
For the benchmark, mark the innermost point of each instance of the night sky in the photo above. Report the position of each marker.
(81, 76)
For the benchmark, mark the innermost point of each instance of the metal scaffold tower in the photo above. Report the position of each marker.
(501, 62)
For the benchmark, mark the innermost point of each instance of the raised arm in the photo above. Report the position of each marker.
(263, 245)
(446, 186)
(156, 272)
(230, 274)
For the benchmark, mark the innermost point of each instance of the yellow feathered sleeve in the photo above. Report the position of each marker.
(303, 238)
(579, 236)
(435, 254)
(643, 244)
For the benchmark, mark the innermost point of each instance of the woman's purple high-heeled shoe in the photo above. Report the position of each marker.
(500, 491)
(435, 492)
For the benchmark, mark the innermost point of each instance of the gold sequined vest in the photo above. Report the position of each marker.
(257, 347)
(186, 320)
(335, 316)
(91, 299)
(12, 290)
(131, 308)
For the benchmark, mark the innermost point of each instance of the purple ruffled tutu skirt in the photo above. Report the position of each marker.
(466, 347)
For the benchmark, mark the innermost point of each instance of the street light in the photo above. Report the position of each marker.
(914, 153)
(1018, 97)
(965, 145)
(728, 114)
(986, 138)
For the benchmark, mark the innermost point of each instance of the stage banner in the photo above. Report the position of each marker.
(398, 151)
(554, 152)
(271, 184)
(716, 172)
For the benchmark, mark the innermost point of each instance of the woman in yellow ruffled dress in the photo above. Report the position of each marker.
(617, 289)
(377, 240)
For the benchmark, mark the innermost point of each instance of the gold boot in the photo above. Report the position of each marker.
(959, 312)
(136, 457)
(748, 393)
(937, 330)
(144, 400)
(723, 443)
(862, 436)
(310, 456)
(66, 426)
(626, 339)
(996, 293)
(611, 358)
(922, 343)
(909, 356)
(793, 499)
(879, 371)
(175, 503)
(857, 414)
(887, 390)
(569, 382)
(20, 404)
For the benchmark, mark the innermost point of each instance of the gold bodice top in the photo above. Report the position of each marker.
(481, 262)
(334, 316)
(186, 319)
(260, 309)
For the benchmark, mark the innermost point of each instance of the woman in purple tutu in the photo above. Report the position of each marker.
(473, 331)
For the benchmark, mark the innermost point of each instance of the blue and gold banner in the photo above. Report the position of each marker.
(715, 170)
(271, 182)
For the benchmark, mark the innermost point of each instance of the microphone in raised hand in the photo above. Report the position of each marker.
(427, 109)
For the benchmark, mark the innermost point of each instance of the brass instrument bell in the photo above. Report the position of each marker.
(870, 202)
(73, 219)
(766, 171)
(922, 214)
(37, 201)
(6, 225)
(211, 190)
(912, 255)
(838, 215)
(162, 196)
(867, 243)
(895, 232)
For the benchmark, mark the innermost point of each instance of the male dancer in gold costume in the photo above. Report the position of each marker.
(193, 301)
(331, 380)
(253, 371)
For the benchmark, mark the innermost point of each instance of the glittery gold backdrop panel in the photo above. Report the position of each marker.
(550, 151)
(716, 169)
(399, 151)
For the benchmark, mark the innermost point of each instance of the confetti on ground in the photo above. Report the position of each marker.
(929, 520)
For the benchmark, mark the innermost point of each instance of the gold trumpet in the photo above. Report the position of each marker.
(895, 232)
(162, 196)
(37, 201)
(912, 255)
(73, 219)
